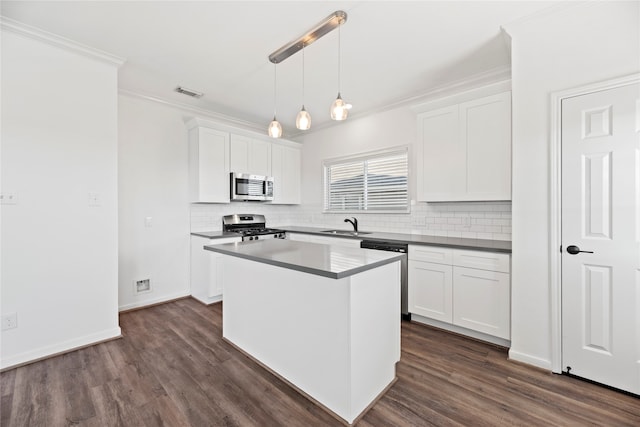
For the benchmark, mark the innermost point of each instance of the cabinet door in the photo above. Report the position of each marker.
(208, 165)
(250, 155)
(430, 290)
(239, 158)
(442, 155)
(481, 301)
(260, 158)
(285, 169)
(487, 132)
(206, 269)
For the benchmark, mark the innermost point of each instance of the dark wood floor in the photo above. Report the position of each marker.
(172, 368)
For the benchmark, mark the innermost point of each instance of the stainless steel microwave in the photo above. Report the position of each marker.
(251, 187)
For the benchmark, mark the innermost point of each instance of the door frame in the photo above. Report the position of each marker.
(555, 204)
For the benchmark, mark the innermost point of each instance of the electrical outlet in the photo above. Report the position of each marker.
(9, 198)
(94, 199)
(9, 321)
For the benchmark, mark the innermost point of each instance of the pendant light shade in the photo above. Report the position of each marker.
(275, 128)
(303, 119)
(339, 109)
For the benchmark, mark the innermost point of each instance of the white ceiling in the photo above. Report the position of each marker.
(391, 50)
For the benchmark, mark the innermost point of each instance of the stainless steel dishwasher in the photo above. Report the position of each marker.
(395, 247)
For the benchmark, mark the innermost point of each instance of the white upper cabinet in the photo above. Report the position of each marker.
(215, 150)
(250, 155)
(208, 165)
(443, 152)
(464, 151)
(285, 169)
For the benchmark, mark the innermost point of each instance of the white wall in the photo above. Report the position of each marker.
(59, 255)
(152, 183)
(583, 44)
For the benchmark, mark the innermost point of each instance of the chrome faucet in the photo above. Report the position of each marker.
(353, 222)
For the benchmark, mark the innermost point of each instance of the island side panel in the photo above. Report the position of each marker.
(294, 323)
(375, 333)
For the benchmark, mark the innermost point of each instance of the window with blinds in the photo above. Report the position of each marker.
(374, 182)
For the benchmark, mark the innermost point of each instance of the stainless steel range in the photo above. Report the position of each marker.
(250, 227)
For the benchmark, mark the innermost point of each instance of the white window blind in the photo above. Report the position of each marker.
(375, 182)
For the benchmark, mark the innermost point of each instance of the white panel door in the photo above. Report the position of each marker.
(601, 216)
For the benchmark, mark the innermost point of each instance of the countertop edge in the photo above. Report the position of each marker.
(310, 270)
(484, 245)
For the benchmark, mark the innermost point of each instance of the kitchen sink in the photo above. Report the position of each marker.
(347, 232)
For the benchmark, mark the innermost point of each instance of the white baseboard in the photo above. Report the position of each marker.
(206, 300)
(58, 348)
(529, 359)
(153, 301)
(460, 330)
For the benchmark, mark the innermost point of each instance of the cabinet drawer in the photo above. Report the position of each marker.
(492, 261)
(434, 254)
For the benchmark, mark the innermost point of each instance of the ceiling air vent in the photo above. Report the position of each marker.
(189, 92)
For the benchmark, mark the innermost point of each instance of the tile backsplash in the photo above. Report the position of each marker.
(474, 220)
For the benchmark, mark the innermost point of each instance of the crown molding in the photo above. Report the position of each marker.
(8, 24)
(512, 27)
(220, 119)
(489, 77)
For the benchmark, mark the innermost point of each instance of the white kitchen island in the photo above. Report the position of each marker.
(324, 318)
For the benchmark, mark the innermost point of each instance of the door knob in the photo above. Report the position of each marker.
(573, 250)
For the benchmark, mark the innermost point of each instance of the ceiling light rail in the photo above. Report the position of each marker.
(327, 25)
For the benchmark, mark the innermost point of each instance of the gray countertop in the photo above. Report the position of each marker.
(331, 261)
(413, 239)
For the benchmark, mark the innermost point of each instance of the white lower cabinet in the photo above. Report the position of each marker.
(481, 301)
(469, 289)
(431, 290)
(206, 271)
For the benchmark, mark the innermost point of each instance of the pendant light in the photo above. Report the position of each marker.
(303, 119)
(339, 109)
(275, 128)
